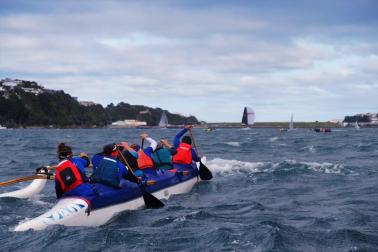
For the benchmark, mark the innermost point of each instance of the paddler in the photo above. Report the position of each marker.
(108, 169)
(145, 162)
(70, 178)
(162, 156)
(185, 153)
(128, 156)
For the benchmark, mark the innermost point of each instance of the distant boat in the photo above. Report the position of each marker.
(163, 121)
(323, 130)
(248, 116)
(2, 127)
(209, 129)
(356, 126)
(291, 124)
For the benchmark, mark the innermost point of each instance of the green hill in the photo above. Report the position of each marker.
(25, 104)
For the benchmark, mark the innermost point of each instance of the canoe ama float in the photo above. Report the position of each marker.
(99, 209)
(35, 187)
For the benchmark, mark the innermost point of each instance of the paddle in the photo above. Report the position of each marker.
(27, 178)
(41, 173)
(141, 146)
(204, 172)
(149, 200)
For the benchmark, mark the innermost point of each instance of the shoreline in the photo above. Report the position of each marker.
(275, 125)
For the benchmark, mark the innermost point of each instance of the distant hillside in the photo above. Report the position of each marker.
(365, 118)
(25, 103)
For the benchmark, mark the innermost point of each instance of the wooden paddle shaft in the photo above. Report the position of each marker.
(194, 142)
(28, 178)
(127, 163)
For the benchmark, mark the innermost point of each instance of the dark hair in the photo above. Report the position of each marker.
(109, 149)
(63, 151)
(186, 139)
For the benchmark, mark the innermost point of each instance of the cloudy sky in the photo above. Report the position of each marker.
(316, 59)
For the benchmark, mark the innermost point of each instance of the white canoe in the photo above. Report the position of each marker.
(73, 211)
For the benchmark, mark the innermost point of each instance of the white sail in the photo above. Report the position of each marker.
(291, 124)
(248, 116)
(163, 121)
(356, 125)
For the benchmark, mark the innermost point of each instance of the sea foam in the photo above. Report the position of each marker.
(226, 167)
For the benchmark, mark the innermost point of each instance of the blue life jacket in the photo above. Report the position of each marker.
(162, 158)
(107, 173)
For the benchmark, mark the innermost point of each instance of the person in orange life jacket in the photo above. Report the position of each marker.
(145, 162)
(162, 156)
(108, 170)
(70, 179)
(185, 153)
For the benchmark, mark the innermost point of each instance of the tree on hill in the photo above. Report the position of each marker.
(358, 118)
(20, 108)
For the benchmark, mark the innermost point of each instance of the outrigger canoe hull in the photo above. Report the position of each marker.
(73, 211)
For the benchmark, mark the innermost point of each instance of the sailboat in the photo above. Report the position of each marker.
(291, 124)
(356, 126)
(163, 123)
(248, 117)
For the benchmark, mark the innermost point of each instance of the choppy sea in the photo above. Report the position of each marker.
(271, 191)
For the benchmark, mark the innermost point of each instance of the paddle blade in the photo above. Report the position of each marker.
(151, 201)
(204, 172)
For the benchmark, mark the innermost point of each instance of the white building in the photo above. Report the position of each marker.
(144, 112)
(11, 83)
(35, 91)
(373, 118)
(87, 103)
(128, 124)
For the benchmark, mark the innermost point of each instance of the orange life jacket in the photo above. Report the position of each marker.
(68, 175)
(183, 155)
(144, 161)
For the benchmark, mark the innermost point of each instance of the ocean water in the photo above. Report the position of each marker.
(271, 191)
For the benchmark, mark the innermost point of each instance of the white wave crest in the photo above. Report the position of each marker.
(320, 167)
(310, 149)
(224, 166)
(236, 144)
(228, 167)
(273, 139)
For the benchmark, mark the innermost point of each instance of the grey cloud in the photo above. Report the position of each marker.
(121, 51)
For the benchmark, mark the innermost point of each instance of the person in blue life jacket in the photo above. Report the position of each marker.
(185, 153)
(108, 169)
(162, 156)
(70, 178)
(145, 163)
